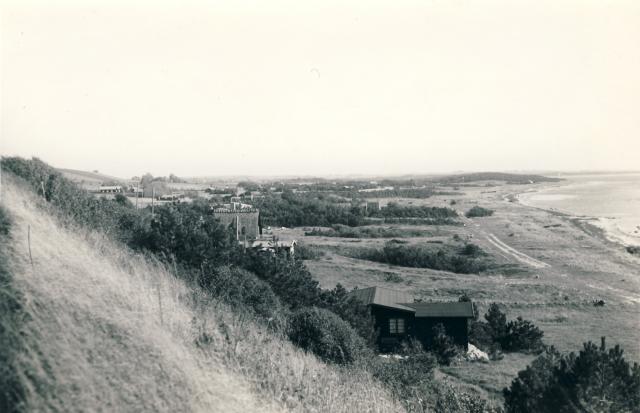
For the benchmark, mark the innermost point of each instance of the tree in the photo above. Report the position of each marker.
(497, 321)
(522, 335)
(596, 380)
(443, 345)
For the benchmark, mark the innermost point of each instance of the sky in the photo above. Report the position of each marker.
(321, 88)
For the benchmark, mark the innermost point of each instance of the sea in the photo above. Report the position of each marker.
(610, 201)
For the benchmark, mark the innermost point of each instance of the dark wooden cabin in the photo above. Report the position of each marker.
(398, 317)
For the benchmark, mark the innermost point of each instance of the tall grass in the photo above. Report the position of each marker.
(110, 330)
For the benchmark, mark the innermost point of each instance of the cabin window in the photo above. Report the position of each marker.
(396, 326)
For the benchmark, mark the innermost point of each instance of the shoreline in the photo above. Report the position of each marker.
(591, 225)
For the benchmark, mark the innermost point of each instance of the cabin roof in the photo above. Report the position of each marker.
(443, 309)
(384, 297)
(404, 301)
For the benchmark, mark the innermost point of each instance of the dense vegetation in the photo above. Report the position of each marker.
(495, 333)
(495, 176)
(417, 193)
(326, 335)
(395, 210)
(465, 260)
(594, 380)
(477, 211)
(309, 209)
(343, 231)
(294, 210)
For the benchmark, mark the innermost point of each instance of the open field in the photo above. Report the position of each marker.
(551, 267)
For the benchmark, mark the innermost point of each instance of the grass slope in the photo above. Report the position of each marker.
(109, 330)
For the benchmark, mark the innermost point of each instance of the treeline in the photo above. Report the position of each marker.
(395, 210)
(343, 231)
(417, 193)
(295, 210)
(469, 259)
(494, 176)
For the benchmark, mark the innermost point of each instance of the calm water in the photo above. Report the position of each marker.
(614, 199)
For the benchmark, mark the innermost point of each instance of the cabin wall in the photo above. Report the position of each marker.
(455, 327)
(419, 328)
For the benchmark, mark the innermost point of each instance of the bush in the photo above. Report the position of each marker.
(481, 335)
(243, 290)
(497, 323)
(395, 210)
(596, 380)
(477, 211)
(497, 333)
(424, 256)
(187, 232)
(343, 231)
(522, 335)
(326, 335)
(633, 249)
(406, 377)
(351, 310)
(471, 250)
(289, 279)
(443, 346)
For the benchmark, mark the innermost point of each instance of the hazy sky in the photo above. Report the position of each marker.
(300, 87)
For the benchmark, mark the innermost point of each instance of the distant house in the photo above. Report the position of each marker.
(110, 189)
(273, 246)
(398, 317)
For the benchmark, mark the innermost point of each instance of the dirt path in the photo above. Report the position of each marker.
(520, 256)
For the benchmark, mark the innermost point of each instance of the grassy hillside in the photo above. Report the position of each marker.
(96, 327)
(88, 177)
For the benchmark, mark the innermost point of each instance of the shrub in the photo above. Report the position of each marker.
(289, 279)
(633, 249)
(497, 322)
(522, 335)
(498, 334)
(343, 231)
(406, 377)
(75, 205)
(596, 380)
(442, 258)
(395, 210)
(471, 250)
(188, 232)
(351, 310)
(481, 335)
(243, 290)
(443, 346)
(477, 211)
(326, 335)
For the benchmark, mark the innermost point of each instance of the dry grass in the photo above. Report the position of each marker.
(112, 331)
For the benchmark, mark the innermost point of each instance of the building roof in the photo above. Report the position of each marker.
(404, 301)
(384, 297)
(443, 309)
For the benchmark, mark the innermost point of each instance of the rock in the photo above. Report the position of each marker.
(475, 354)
